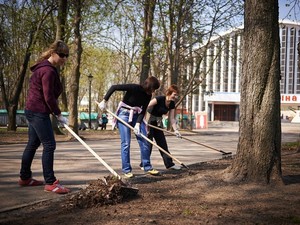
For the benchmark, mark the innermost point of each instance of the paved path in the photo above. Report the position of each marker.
(75, 166)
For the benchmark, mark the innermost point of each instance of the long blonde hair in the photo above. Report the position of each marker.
(58, 46)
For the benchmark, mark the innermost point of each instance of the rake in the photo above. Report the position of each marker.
(147, 139)
(169, 132)
(124, 186)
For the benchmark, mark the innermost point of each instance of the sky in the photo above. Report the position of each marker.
(289, 10)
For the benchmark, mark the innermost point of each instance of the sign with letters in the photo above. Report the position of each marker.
(290, 98)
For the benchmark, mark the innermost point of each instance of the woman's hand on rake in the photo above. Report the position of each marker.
(177, 133)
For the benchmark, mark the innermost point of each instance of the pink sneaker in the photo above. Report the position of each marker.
(56, 188)
(30, 182)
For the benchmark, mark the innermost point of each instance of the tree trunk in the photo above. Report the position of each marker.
(75, 73)
(61, 24)
(60, 35)
(61, 20)
(258, 156)
(13, 102)
(149, 8)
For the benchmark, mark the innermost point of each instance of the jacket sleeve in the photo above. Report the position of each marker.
(48, 84)
(118, 87)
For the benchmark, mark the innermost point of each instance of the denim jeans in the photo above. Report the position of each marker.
(39, 131)
(125, 134)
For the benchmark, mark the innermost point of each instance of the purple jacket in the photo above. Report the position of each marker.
(44, 89)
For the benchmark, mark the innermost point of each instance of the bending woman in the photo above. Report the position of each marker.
(132, 110)
(158, 107)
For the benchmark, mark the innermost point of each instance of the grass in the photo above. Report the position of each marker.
(19, 129)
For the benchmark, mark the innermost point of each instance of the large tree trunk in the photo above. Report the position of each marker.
(258, 156)
(75, 74)
(149, 8)
(61, 20)
(60, 35)
(61, 24)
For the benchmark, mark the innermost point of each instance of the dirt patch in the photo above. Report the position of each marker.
(107, 191)
(194, 196)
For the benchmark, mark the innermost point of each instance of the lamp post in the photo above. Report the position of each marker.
(90, 77)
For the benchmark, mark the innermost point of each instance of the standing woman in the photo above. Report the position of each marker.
(44, 89)
(158, 107)
(132, 110)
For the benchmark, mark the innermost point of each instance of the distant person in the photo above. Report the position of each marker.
(104, 121)
(44, 89)
(132, 110)
(158, 107)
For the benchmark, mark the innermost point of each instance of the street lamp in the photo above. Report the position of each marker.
(90, 77)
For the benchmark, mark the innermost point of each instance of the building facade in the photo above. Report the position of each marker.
(219, 93)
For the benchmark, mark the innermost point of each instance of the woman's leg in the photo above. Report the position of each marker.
(150, 136)
(40, 131)
(144, 148)
(161, 141)
(48, 141)
(125, 135)
(30, 149)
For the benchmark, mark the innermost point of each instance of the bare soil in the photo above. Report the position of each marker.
(197, 195)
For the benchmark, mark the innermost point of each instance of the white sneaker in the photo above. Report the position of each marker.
(128, 175)
(153, 172)
(142, 168)
(175, 167)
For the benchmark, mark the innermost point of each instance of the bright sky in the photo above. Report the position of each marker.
(289, 9)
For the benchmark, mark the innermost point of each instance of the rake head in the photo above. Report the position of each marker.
(226, 155)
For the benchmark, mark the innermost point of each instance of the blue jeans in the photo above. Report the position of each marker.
(39, 131)
(125, 134)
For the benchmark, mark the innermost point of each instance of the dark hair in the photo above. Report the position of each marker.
(151, 84)
(171, 89)
(58, 46)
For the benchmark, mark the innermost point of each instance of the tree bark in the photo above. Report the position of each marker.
(13, 101)
(61, 24)
(149, 8)
(75, 73)
(60, 35)
(258, 157)
(61, 20)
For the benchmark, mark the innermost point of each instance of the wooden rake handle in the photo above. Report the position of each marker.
(146, 138)
(92, 151)
(158, 128)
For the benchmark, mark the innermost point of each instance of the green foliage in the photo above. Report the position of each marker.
(112, 35)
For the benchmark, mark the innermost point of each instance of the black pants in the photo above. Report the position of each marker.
(161, 141)
(103, 126)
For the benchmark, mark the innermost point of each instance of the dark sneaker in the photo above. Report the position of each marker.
(56, 188)
(30, 182)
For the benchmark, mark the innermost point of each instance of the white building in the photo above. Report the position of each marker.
(219, 95)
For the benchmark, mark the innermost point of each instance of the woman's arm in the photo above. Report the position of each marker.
(172, 119)
(152, 103)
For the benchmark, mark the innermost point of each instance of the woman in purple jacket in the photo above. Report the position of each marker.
(44, 89)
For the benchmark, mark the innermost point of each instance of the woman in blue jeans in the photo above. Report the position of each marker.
(132, 110)
(44, 90)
